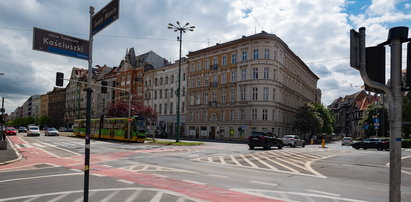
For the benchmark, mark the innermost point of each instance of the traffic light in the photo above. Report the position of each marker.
(103, 86)
(59, 78)
(375, 66)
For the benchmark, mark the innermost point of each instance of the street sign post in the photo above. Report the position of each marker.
(105, 17)
(53, 42)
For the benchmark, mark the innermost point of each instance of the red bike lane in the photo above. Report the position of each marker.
(33, 155)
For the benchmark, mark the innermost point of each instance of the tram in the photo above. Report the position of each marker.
(113, 128)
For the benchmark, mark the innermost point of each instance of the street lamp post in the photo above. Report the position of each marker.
(181, 29)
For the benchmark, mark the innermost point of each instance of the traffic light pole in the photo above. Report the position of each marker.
(396, 37)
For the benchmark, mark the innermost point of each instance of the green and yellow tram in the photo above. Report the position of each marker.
(113, 128)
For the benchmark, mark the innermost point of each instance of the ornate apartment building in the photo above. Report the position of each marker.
(255, 83)
(160, 86)
(75, 104)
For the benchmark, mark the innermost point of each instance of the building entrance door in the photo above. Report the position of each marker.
(212, 133)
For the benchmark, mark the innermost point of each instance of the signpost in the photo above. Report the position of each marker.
(53, 42)
(105, 17)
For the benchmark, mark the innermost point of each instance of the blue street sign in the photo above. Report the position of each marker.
(52, 42)
(105, 17)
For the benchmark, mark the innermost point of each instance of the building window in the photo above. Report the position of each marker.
(172, 93)
(224, 60)
(184, 76)
(244, 55)
(242, 114)
(255, 54)
(215, 63)
(198, 99)
(155, 82)
(199, 65)
(254, 114)
(267, 54)
(193, 67)
(192, 84)
(273, 115)
(161, 94)
(255, 73)
(182, 108)
(275, 71)
(183, 93)
(165, 93)
(273, 94)
(213, 97)
(166, 82)
(161, 81)
(265, 114)
(159, 109)
(232, 95)
(255, 93)
(233, 76)
(243, 94)
(233, 58)
(223, 77)
(171, 108)
(205, 98)
(231, 115)
(222, 116)
(265, 94)
(206, 81)
(243, 74)
(155, 107)
(172, 79)
(198, 83)
(207, 64)
(223, 96)
(165, 108)
(266, 71)
(155, 95)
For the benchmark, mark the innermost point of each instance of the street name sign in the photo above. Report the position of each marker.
(105, 16)
(52, 42)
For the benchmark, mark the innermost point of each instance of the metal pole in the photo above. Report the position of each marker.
(178, 91)
(129, 115)
(3, 134)
(88, 115)
(395, 129)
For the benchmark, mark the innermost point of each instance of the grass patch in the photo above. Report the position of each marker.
(174, 142)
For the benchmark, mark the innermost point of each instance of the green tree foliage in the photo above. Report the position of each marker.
(327, 118)
(406, 116)
(44, 120)
(367, 122)
(308, 120)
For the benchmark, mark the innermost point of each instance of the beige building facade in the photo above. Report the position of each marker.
(255, 83)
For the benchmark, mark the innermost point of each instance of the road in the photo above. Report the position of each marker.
(51, 170)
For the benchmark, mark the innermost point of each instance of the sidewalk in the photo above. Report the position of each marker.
(9, 155)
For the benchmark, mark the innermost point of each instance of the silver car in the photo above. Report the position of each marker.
(33, 131)
(51, 131)
(293, 141)
(346, 141)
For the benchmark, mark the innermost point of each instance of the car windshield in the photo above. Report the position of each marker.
(288, 136)
(33, 128)
(257, 134)
(347, 138)
(12, 129)
(51, 129)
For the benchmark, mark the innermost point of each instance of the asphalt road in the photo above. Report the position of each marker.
(51, 170)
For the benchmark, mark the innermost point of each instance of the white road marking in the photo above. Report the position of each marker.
(58, 198)
(109, 197)
(264, 163)
(194, 182)
(403, 171)
(18, 146)
(98, 175)
(220, 176)
(280, 164)
(37, 177)
(59, 148)
(157, 197)
(163, 176)
(222, 159)
(321, 192)
(125, 181)
(235, 160)
(248, 161)
(38, 145)
(76, 170)
(133, 197)
(265, 183)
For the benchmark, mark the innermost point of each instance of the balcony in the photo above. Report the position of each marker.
(213, 104)
(214, 85)
(214, 67)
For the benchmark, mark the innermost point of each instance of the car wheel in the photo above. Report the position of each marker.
(303, 145)
(267, 147)
(293, 145)
(280, 146)
(387, 149)
(251, 147)
(379, 149)
(365, 148)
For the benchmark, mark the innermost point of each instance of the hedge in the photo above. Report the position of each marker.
(406, 143)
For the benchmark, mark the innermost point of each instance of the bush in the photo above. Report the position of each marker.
(406, 143)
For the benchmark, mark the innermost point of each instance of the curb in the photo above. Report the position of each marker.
(19, 156)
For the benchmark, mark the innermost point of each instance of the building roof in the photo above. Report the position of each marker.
(262, 35)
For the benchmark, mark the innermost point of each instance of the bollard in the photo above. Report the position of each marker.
(323, 143)
(312, 141)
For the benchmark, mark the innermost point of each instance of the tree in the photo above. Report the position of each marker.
(44, 120)
(120, 109)
(308, 120)
(367, 122)
(327, 118)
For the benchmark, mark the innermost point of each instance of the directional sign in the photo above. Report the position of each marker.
(105, 16)
(52, 42)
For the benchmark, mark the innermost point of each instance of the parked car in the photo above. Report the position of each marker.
(346, 141)
(51, 131)
(265, 140)
(33, 131)
(293, 141)
(62, 129)
(375, 143)
(22, 129)
(10, 131)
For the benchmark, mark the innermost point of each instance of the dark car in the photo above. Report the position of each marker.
(265, 140)
(22, 129)
(375, 143)
(10, 131)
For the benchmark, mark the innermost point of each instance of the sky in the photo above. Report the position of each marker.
(317, 31)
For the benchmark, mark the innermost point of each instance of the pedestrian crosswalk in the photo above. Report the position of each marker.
(286, 161)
